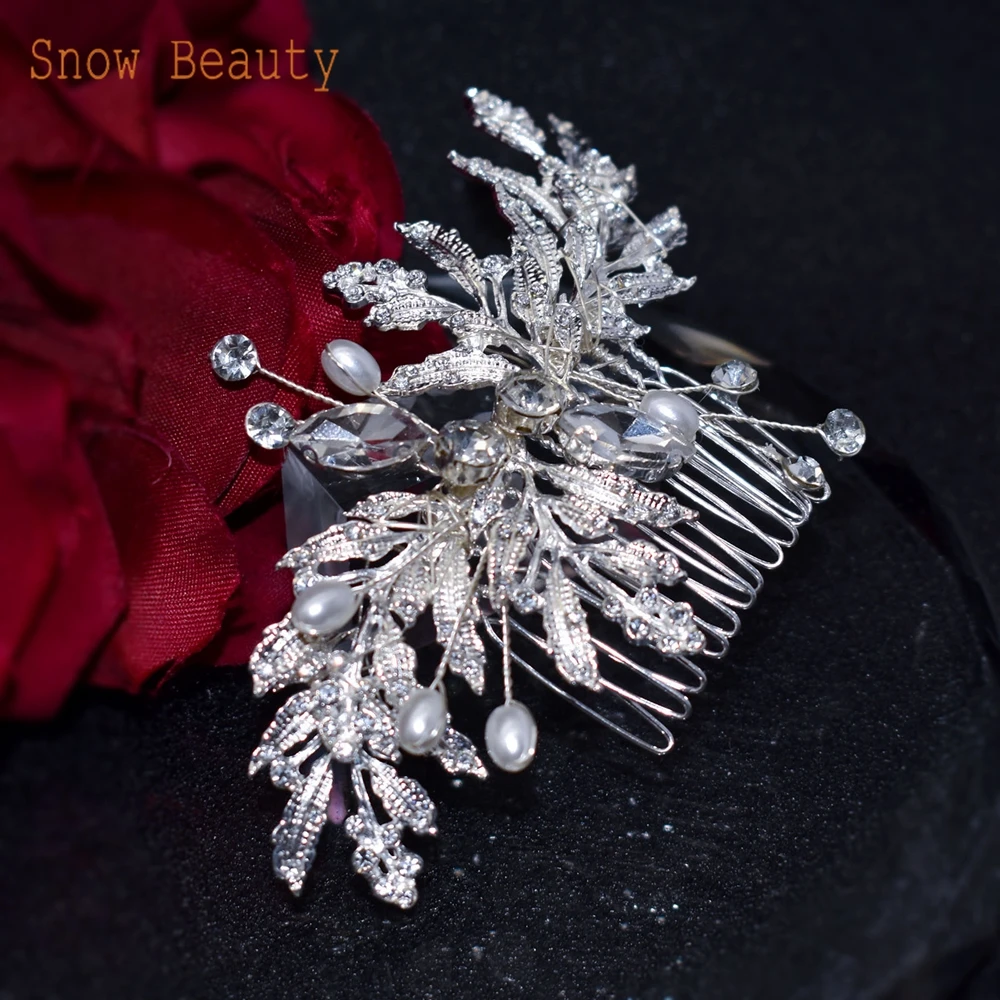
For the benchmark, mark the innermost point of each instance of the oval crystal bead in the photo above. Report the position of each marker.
(359, 437)
(622, 439)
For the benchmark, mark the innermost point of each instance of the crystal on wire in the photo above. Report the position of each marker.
(234, 358)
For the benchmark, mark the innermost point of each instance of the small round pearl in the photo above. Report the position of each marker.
(511, 736)
(351, 368)
(324, 608)
(674, 410)
(422, 720)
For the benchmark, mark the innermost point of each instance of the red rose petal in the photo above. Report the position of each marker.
(177, 555)
(62, 586)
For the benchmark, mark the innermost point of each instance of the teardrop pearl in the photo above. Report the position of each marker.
(422, 720)
(324, 608)
(672, 409)
(511, 736)
(351, 368)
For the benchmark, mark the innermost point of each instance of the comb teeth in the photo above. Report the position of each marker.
(605, 527)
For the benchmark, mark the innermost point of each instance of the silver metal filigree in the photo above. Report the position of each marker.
(607, 524)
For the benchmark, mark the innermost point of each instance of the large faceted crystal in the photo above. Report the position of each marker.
(360, 437)
(622, 439)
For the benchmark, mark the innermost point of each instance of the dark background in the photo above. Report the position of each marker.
(828, 826)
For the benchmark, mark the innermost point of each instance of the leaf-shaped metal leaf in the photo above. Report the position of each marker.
(456, 612)
(566, 630)
(505, 121)
(640, 287)
(638, 561)
(458, 369)
(519, 197)
(411, 590)
(339, 543)
(457, 754)
(660, 235)
(537, 273)
(297, 833)
(449, 251)
(409, 310)
(617, 495)
(403, 798)
(509, 540)
(583, 517)
(292, 724)
(395, 667)
(571, 144)
(283, 657)
(390, 505)
(583, 246)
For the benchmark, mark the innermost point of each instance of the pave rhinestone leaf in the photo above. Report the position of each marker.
(451, 370)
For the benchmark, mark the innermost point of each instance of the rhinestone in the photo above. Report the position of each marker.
(269, 425)
(330, 280)
(649, 599)
(525, 601)
(234, 358)
(528, 403)
(622, 439)
(386, 266)
(468, 451)
(636, 628)
(353, 294)
(359, 436)
(735, 375)
(804, 472)
(843, 432)
(612, 608)
(678, 614)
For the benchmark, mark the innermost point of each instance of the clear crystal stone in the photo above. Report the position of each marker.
(622, 439)
(612, 608)
(528, 403)
(330, 280)
(234, 358)
(468, 451)
(804, 471)
(525, 600)
(353, 294)
(269, 425)
(359, 437)
(843, 432)
(735, 374)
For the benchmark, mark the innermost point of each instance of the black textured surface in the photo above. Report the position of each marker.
(828, 825)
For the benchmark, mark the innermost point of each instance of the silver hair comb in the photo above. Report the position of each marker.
(598, 520)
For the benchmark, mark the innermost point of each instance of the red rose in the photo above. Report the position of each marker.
(139, 222)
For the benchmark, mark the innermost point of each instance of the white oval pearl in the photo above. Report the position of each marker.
(511, 736)
(672, 409)
(324, 608)
(351, 368)
(422, 720)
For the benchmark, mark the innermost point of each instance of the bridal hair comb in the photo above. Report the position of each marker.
(596, 520)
